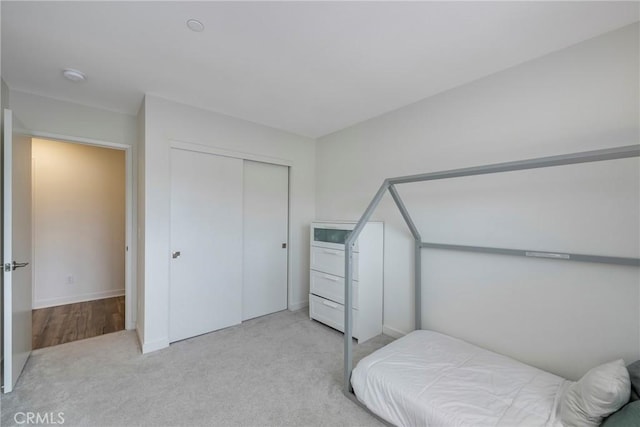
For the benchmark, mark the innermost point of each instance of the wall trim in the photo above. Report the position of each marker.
(201, 148)
(73, 139)
(140, 340)
(148, 347)
(52, 302)
(298, 305)
(393, 332)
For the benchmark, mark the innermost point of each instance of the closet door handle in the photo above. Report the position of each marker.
(333, 279)
(175, 254)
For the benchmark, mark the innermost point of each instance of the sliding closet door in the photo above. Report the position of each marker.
(266, 206)
(206, 243)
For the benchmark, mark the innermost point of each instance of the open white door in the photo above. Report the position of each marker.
(16, 199)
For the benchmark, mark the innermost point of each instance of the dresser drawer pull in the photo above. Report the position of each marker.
(333, 252)
(329, 303)
(333, 279)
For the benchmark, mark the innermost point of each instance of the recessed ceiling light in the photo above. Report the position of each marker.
(74, 75)
(195, 25)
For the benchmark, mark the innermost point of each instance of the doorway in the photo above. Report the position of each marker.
(79, 241)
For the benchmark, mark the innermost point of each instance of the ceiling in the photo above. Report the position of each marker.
(310, 68)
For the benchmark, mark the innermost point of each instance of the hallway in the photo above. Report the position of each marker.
(72, 322)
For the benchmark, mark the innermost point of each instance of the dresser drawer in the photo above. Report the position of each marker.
(331, 287)
(330, 313)
(331, 261)
(331, 236)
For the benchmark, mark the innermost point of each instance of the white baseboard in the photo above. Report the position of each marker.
(299, 305)
(52, 302)
(140, 340)
(148, 347)
(393, 332)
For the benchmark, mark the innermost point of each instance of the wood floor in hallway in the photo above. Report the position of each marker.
(72, 322)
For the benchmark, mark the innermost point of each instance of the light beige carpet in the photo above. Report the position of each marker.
(280, 369)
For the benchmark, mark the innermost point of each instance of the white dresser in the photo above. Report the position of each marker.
(326, 293)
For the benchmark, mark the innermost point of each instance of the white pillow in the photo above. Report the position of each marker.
(600, 392)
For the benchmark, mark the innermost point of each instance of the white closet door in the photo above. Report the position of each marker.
(266, 207)
(206, 243)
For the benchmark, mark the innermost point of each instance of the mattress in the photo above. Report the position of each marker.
(429, 379)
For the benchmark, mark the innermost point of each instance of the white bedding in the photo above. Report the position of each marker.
(430, 379)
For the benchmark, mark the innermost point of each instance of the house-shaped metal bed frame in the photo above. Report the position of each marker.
(390, 185)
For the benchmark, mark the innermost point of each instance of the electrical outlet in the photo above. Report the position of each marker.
(71, 280)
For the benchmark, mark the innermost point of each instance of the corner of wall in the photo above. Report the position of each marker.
(393, 332)
(4, 103)
(149, 347)
(139, 208)
(299, 305)
(4, 92)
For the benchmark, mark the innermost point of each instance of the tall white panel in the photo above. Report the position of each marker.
(206, 243)
(266, 205)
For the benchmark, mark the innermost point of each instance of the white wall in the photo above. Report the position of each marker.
(39, 113)
(166, 121)
(78, 222)
(563, 317)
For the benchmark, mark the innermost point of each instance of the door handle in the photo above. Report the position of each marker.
(14, 265)
(175, 254)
